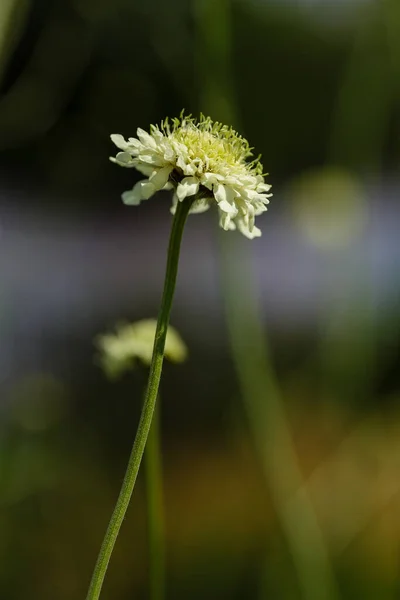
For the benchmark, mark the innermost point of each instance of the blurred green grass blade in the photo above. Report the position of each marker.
(13, 15)
(269, 427)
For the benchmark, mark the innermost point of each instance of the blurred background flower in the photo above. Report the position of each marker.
(133, 342)
(314, 86)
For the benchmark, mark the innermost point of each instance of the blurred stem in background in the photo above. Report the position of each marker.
(263, 403)
(146, 416)
(155, 512)
(360, 123)
(13, 14)
(363, 105)
(119, 351)
(391, 23)
(269, 427)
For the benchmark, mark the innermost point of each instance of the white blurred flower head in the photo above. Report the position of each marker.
(133, 342)
(202, 158)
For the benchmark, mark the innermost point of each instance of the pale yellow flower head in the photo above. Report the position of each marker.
(134, 342)
(202, 158)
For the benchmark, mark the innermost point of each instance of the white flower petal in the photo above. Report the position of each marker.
(130, 198)
(135, 144)
(169, 154)
(189, 186)
(174, 204)
(160, 177)
(200, 206)
(259, 208)
(230, 209)
(119, 141)
(143, 168)
(255, 232)
(210, 179)
(143, 190)
(224, 193)
(148, 189)
(133, 197)
(224, 220)
(146, 138)
(254, 196)
(263, 187)
(181, 163)
(232, 181)
(123, 159)
(189, 169)
(157, 135)
(151, 158)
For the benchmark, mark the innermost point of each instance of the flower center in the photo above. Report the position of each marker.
(212, 146)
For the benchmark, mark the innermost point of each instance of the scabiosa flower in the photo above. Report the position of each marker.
(134, 342)
(198, 158)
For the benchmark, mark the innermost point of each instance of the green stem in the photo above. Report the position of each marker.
(155, 514)
(142, 433)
